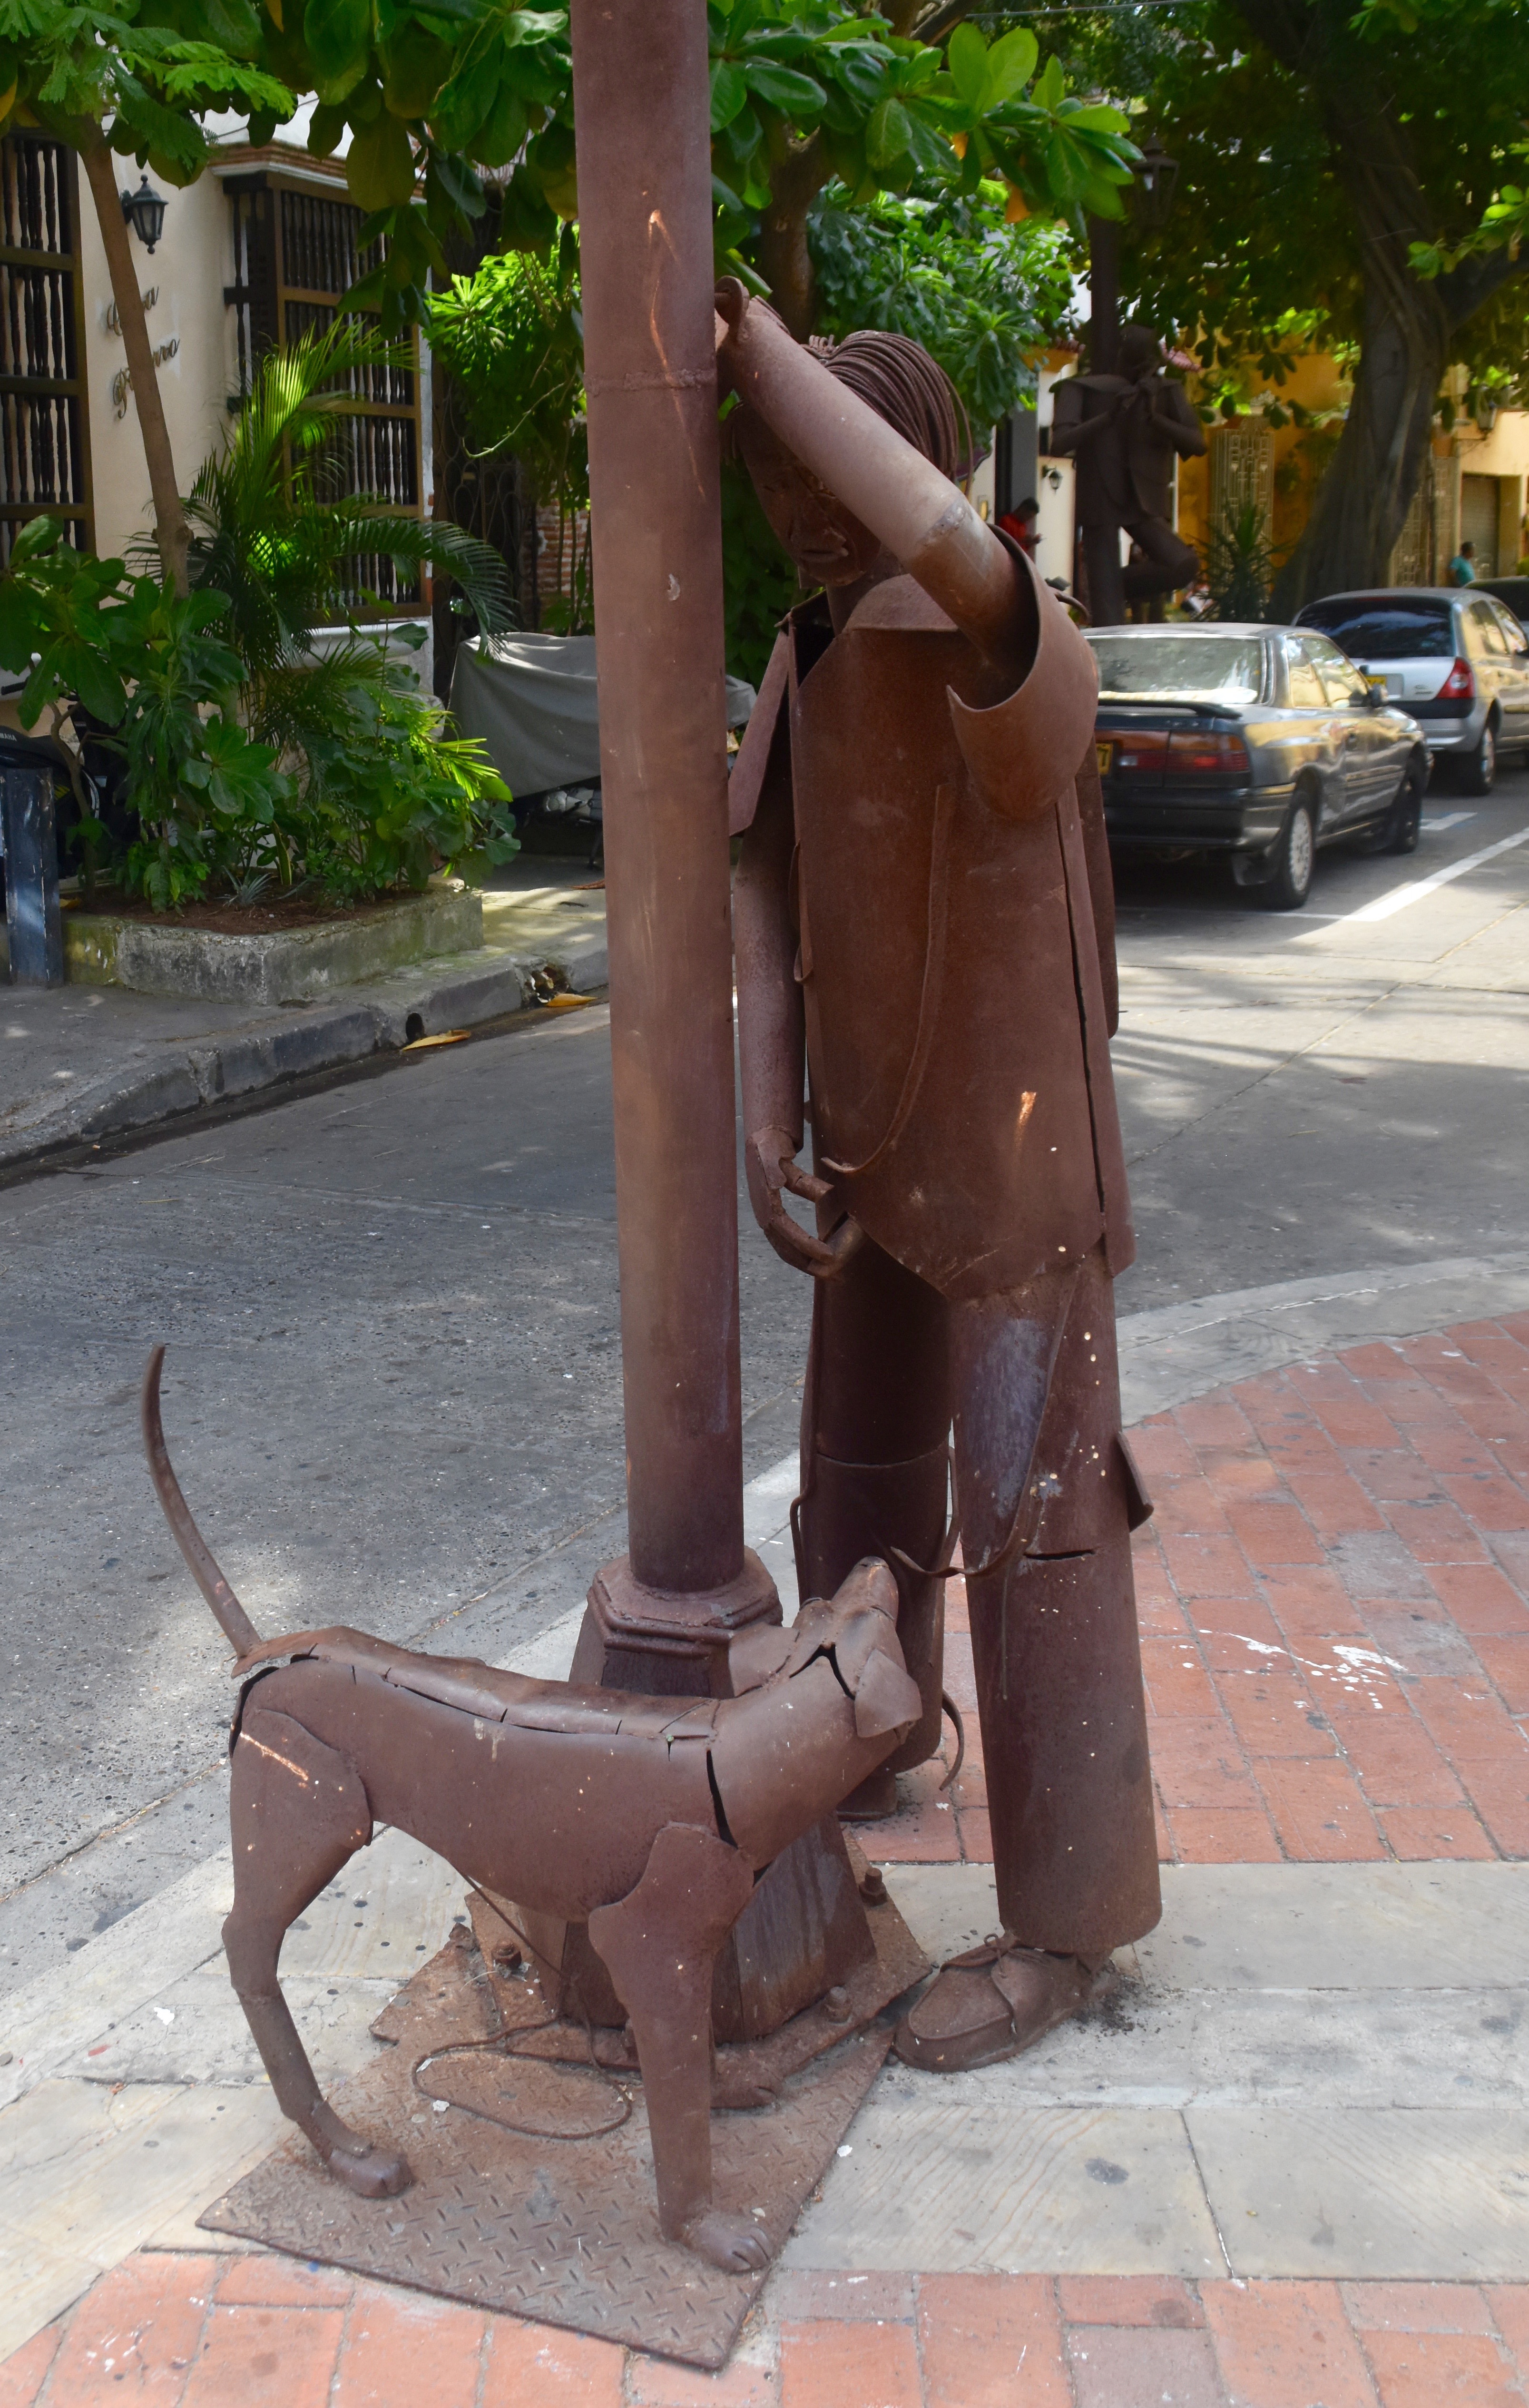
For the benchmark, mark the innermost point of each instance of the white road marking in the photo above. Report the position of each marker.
(1433, 826)
(1401, 897)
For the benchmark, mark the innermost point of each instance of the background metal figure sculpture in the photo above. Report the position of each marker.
(1126, 430)
(923, 914)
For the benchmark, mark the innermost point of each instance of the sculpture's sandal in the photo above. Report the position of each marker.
(993, 2002)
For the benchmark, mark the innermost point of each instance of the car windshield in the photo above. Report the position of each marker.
(1231, 667)
(1378, 629)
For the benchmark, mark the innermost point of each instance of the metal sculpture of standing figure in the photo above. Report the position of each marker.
(924, 918)
(1127, 430)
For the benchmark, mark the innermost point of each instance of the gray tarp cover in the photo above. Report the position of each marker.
(532, 700)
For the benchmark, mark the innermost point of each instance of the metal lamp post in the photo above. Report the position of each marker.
(663, 1618)
(1151, 199)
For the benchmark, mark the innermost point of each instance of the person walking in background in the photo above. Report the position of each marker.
(1463, 566)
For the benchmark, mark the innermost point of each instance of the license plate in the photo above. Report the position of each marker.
(1101, 755)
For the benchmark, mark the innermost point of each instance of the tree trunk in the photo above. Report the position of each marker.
(171, 531)
(1383, 452)
(797, 176)
(1407, 326)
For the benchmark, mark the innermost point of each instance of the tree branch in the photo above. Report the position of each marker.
(940, 20)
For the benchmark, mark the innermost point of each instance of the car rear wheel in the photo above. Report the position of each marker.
(1294, 862)
(1403, 825)
(1478, 770)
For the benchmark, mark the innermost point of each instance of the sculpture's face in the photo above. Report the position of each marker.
(827, 543)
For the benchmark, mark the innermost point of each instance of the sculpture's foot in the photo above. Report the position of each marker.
(994, 2003)
(370, 2172)
(730, 2241)
(875, 1798)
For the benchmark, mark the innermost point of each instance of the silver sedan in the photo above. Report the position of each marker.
(1261, 743)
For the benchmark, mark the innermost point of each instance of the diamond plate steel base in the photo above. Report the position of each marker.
(560, 2223)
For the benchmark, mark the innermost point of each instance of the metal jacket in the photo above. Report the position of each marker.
(956, 924)
(1125, 471)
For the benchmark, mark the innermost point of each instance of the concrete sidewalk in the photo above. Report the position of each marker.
(79, 1064)
(1290, 2167)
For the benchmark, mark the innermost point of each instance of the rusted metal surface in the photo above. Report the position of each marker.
(1127, 427)
(646, 1819)
(561, 2228)
(926, 936)
(641, 97)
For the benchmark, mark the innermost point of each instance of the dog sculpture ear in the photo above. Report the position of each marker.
(886, 1698)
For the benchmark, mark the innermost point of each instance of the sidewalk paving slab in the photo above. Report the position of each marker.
(80, 1064)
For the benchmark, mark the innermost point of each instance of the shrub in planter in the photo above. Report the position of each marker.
(252, 759)
(152, 668)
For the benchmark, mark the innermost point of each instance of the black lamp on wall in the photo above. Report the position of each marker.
(145, 213)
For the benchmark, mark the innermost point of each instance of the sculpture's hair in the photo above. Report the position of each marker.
(897, 378)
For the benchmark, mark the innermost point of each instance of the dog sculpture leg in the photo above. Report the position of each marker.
(660, 1943)
(299, 1813)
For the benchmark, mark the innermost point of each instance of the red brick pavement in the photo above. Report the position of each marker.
(1334, 1608)
(1334, 1595)
(179, 2331)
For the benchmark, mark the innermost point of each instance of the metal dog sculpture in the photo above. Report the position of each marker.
(646, 1818)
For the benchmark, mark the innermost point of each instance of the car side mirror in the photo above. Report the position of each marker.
(1362, 696)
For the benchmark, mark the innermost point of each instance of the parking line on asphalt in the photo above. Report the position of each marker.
(1400, 898)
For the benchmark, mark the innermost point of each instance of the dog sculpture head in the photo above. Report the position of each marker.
(856, 1630)
(815, 1709)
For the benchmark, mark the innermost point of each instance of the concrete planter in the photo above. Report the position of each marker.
(288, 966)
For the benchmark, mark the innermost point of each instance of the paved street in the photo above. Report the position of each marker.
(393, 1384)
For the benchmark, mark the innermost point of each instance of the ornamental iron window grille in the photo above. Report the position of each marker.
(45, 458)
(295, 253)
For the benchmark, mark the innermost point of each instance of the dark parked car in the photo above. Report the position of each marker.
(1458, 661)
(1512, 591)
(1259, 743)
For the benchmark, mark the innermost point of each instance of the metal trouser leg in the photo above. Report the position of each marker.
(875, 1457)
(1047, 1501)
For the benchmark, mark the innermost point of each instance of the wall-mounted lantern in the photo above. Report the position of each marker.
(145, 213)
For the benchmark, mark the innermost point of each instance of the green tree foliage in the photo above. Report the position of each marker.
(1337, 166)
(808, 93)
(982, 294)
(145, 72)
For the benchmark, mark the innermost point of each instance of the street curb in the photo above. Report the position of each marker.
(378, 1016)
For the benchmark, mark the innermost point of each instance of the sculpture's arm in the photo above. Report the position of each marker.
(1068, 434)
(923, 519)
(1174, 414)
(772, 1040)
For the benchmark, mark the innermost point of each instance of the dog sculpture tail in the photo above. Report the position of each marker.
(234, 1622)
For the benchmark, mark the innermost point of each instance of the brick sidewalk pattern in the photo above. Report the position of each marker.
(1334, 1609)
(1333, 1598)
(261, 2332)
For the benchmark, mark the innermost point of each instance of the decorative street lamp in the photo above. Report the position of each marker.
(1151, 195)
(145, 213)
(1484, 410)
(1155, 180)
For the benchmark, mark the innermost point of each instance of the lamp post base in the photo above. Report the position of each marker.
(804, 1932)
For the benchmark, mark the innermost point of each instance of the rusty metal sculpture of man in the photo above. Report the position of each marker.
(923, 915)
(1127, 431)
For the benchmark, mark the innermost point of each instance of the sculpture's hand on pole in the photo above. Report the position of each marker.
(770, 1166)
